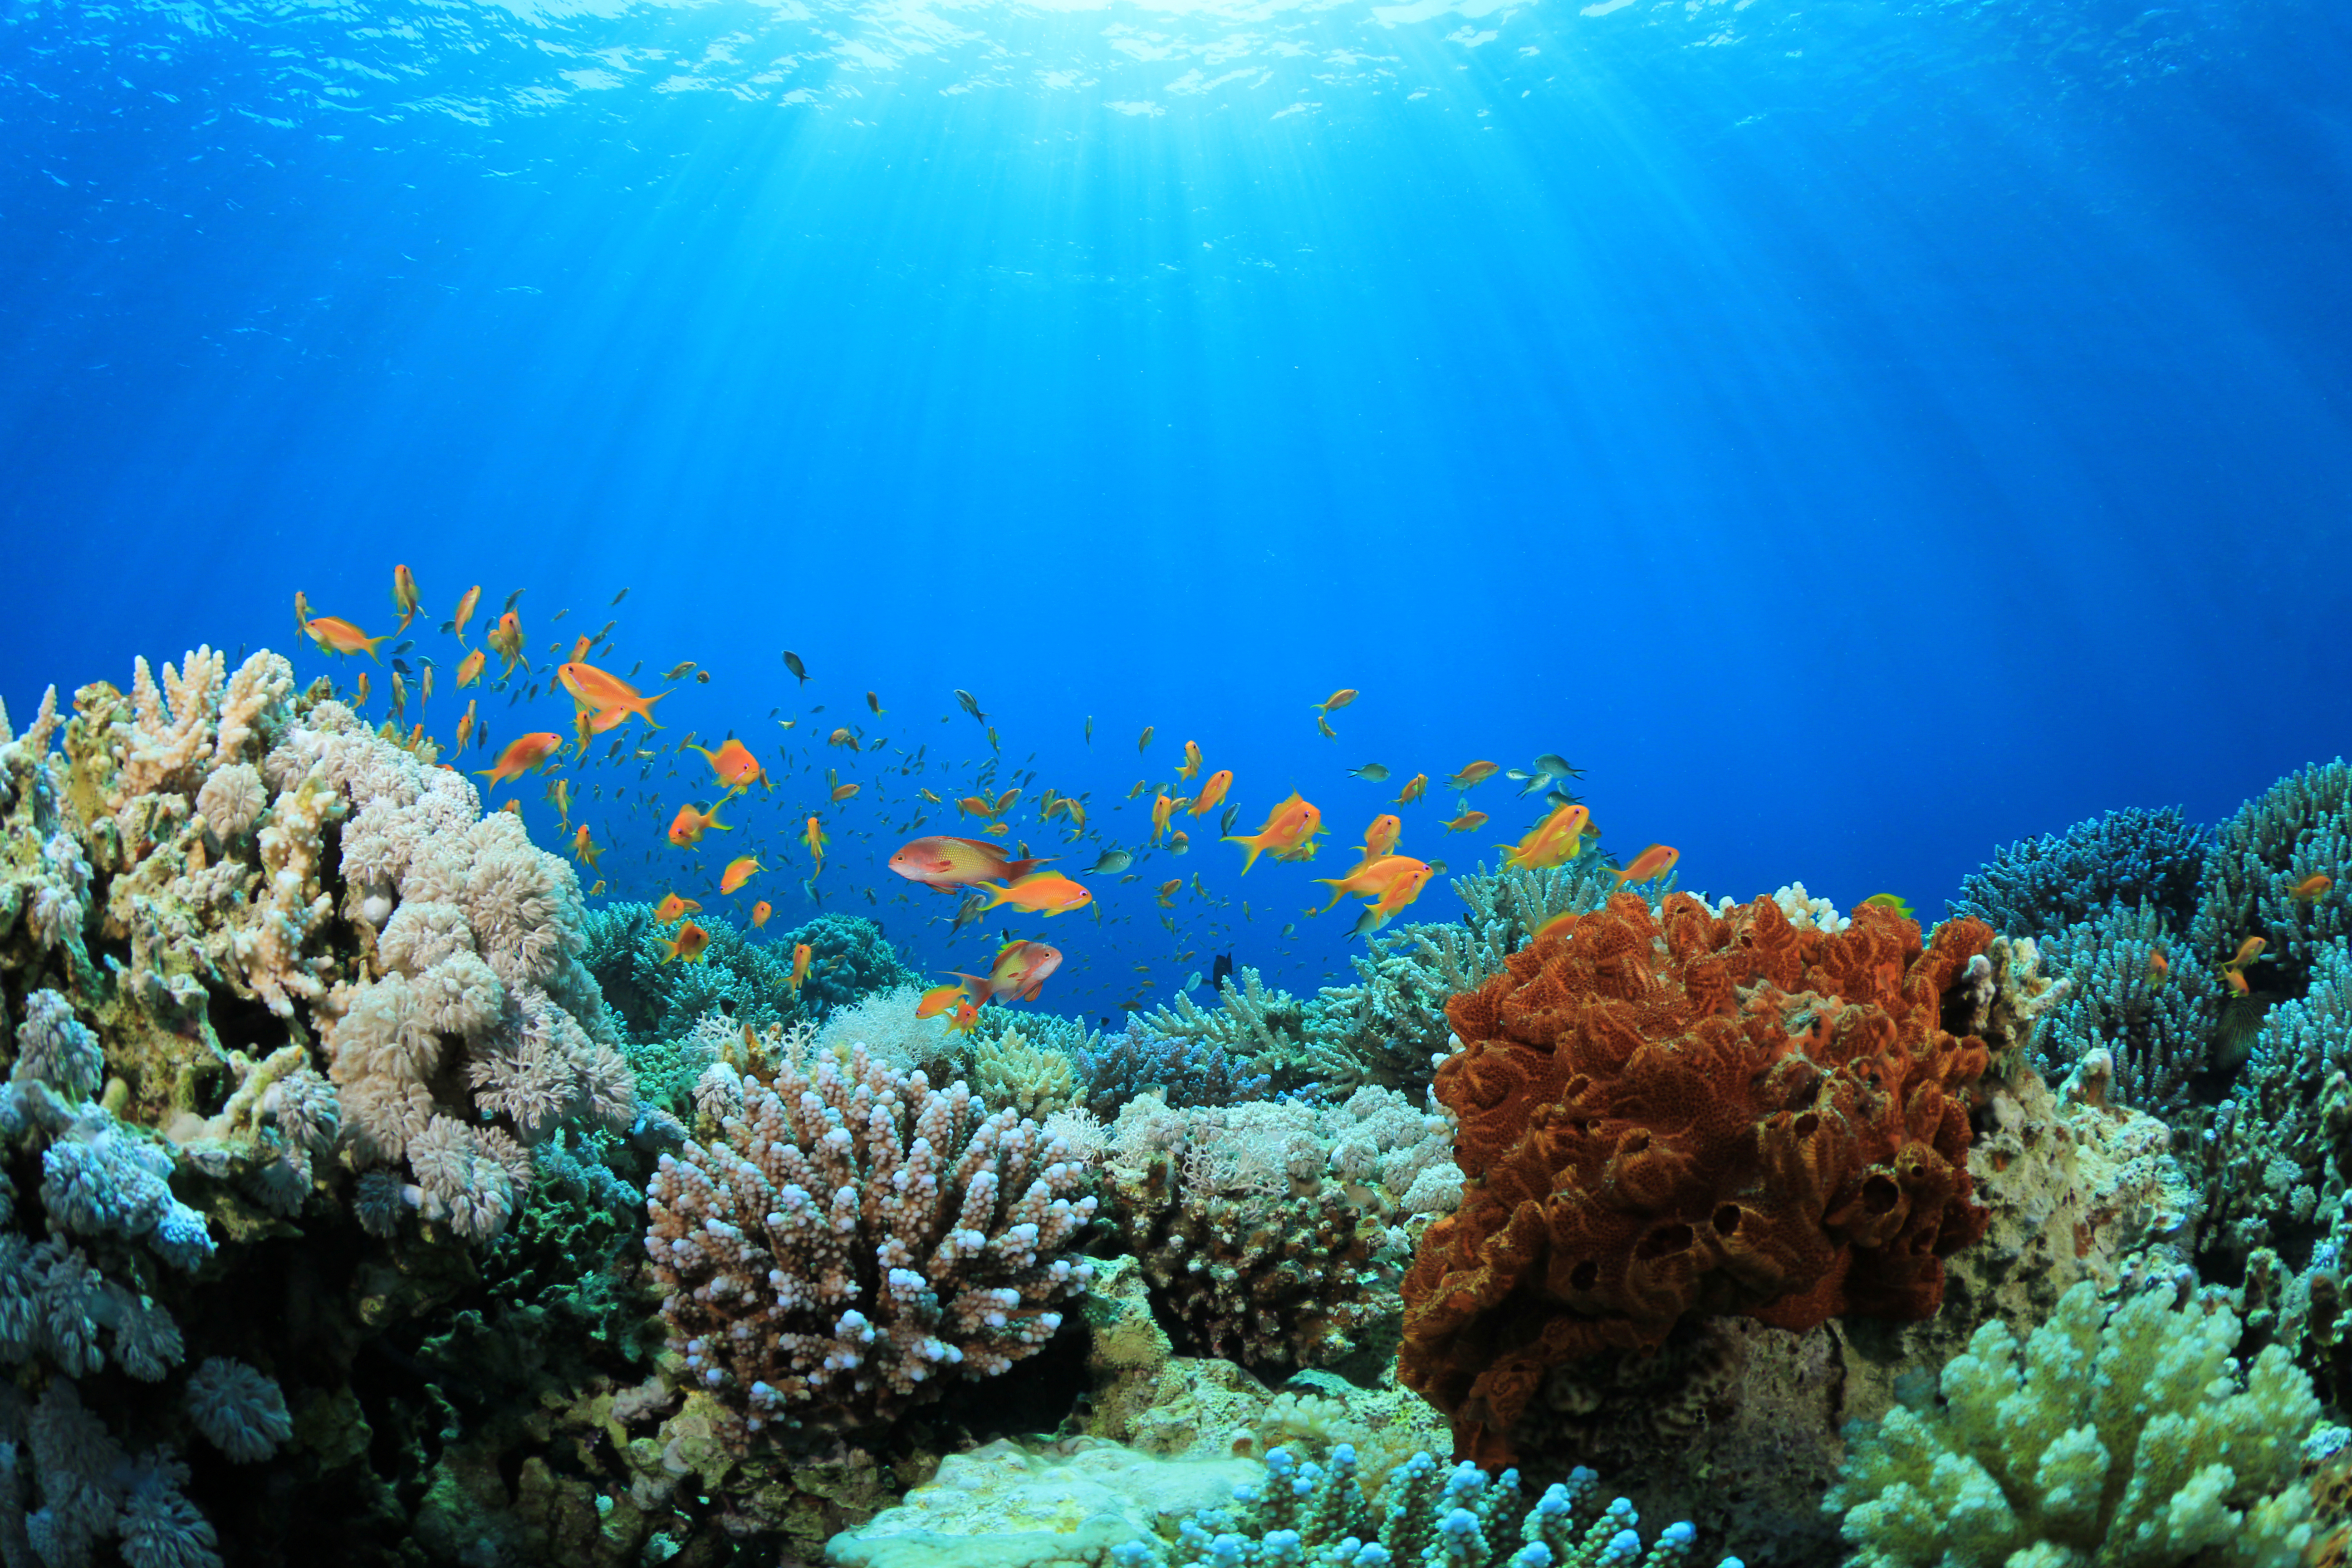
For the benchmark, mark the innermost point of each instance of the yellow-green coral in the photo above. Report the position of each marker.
(1011, 1074)
(2122, 1439)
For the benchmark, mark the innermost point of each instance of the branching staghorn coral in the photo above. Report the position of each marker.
(1294, 1042)
(1319, 1514)
(1117, 1068)
(2128, 1438)
(2157, 1025)
(853, 1239)
(2299, 828)
(1033, 1082)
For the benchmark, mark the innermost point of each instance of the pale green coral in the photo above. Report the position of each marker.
(2110, 1439)
(1009, 1073)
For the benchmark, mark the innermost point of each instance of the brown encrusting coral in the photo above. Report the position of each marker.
(1676, 1113)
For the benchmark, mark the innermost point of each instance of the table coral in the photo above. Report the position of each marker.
(853, 1239)
(1669, 1112)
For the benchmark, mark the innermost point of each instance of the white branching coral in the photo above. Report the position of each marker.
(853, 1239)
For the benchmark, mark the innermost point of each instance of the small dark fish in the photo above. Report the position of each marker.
(404, 645)
(619, 596)
(677, 670)
(511, 599)
(1365, 923)
(874, 703)
(560, 614)
(1225, 822)
(970, 704)
(1110, 863)
(634, 668)
(1090, 729)
(448, 628)
(1221, 969)
(793, 662)
(1371, 772)
(1146, 740)
(401, 666)
(702, 678)
(968, 912)
(991, 737)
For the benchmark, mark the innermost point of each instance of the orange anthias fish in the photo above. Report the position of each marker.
(842, 792)
(2237, 979)
(403, 595)
(2159, 968)
(469, 668)
(689, 824)
(1019, 973)
(760, 914)
(465, 613)
(1560, 925)
(1650, 864)
(2312, 889)
(689, 944)
(1379, 839)
(674, 908)
(813, 835)
(524, 753)
(1466, 821)
(1555, 841)
(1413, 790)
(2248, 950)
(1213, 792)
(1166, 892)
(966, 1017)
(1336, 701)
(1289, 832)
(466, 726)
(1163, 807)
(607, 695)
(1474, 775)
(584, 849)
(1191, 766)
(1041, 893)
(842, 737)
(737, 768)
(738, 872)
(507, 639)
(940, 998)
(1375, 879)
(339, 637)
(801, 953)
(952, 864)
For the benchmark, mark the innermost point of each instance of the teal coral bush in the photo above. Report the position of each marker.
(1318, 1516)
(748, 980)
(2123, 1438)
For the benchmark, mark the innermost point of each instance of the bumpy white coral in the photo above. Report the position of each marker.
(858, 1238)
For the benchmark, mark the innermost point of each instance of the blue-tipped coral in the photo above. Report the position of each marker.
(1316, 1516)
(2038, 886)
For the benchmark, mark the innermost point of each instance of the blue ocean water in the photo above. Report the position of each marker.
(1854, 436)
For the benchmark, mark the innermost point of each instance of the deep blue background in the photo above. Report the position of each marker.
(1856, 438)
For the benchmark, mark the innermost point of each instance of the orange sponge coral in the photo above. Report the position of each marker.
(1690, 1113)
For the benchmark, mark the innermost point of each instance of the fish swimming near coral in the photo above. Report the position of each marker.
(604, 693)
(690, 944)
(1019, 973)
(336, 636)
(524, 753)
(674, 908)
(403, 595)
(2312, 889)
(739, 870)
(1289, 828)
(802, 955)
(1649, 865)
(691, 822)
(584, 849)
(760, 914)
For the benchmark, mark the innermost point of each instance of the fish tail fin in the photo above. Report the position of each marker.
(712, 819)
(372, 643)
(1255, 846)
(670, 950)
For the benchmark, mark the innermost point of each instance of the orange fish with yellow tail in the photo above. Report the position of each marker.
(738, 872)
(1649, 865)
(403, 595)
(1289, 829)
(737, 768)
(1413, 789)
(691, 822)
(336, 636)
(1040, 893)
(802, 954)
(1379, 839)
(1474, 775)
(610, 697)
(585, 850)
(760, 914)
(1191, 766)
(950, 864)
(1213, 792)
(813, 835)
(506, 638)
(469, 668)
(456, 627)
(1555, 841)
(690, 944)
(674, 907)
(1162, 809)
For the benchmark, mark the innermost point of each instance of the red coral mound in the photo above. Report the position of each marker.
(1686, 1114)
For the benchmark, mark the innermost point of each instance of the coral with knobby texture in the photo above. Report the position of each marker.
(1666, 1113)
(1270, 1030)
(2037, 887)
(744, 978)
(1116, 1068)
(2300, 827)
(2122, 1438)
(2158, 1031)
(1264, 1227)
(884, 1022)
(1425, 1515)
(1011, 1074)
(850, 1240)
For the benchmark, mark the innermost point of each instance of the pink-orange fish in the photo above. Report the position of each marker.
(738, 872)
(403, 595)
(1414, 788)
(1213, 792)
(675, 908)
(948, 864)
(801, 953)
(760, 911)
(1650, 864)
(524, 753)
(737, 768)
(1019, 973)
(1474, 775)
(689, 944)
(1555, 841)
(1289, 832)
(605, 694)
(1040, 893)
(339, 637)
(690, 823)
(1379, 839)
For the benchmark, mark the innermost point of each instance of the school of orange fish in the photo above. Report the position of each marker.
(984, 873)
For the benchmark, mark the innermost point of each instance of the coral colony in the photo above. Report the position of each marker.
(368, 1198)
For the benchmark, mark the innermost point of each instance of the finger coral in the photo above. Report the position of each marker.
(1672, 1113)
(855, 1239)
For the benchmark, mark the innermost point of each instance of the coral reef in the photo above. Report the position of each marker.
(853, 1240)
(1672, 1113)
(2125, 1437)
(2158, 1034)
(1031, 1082)
(746, 980)
(2299, 826)
(1117, 1068)
(2037, 887)
(884, 1022)
(1320, 1514)
(1264, 1228)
